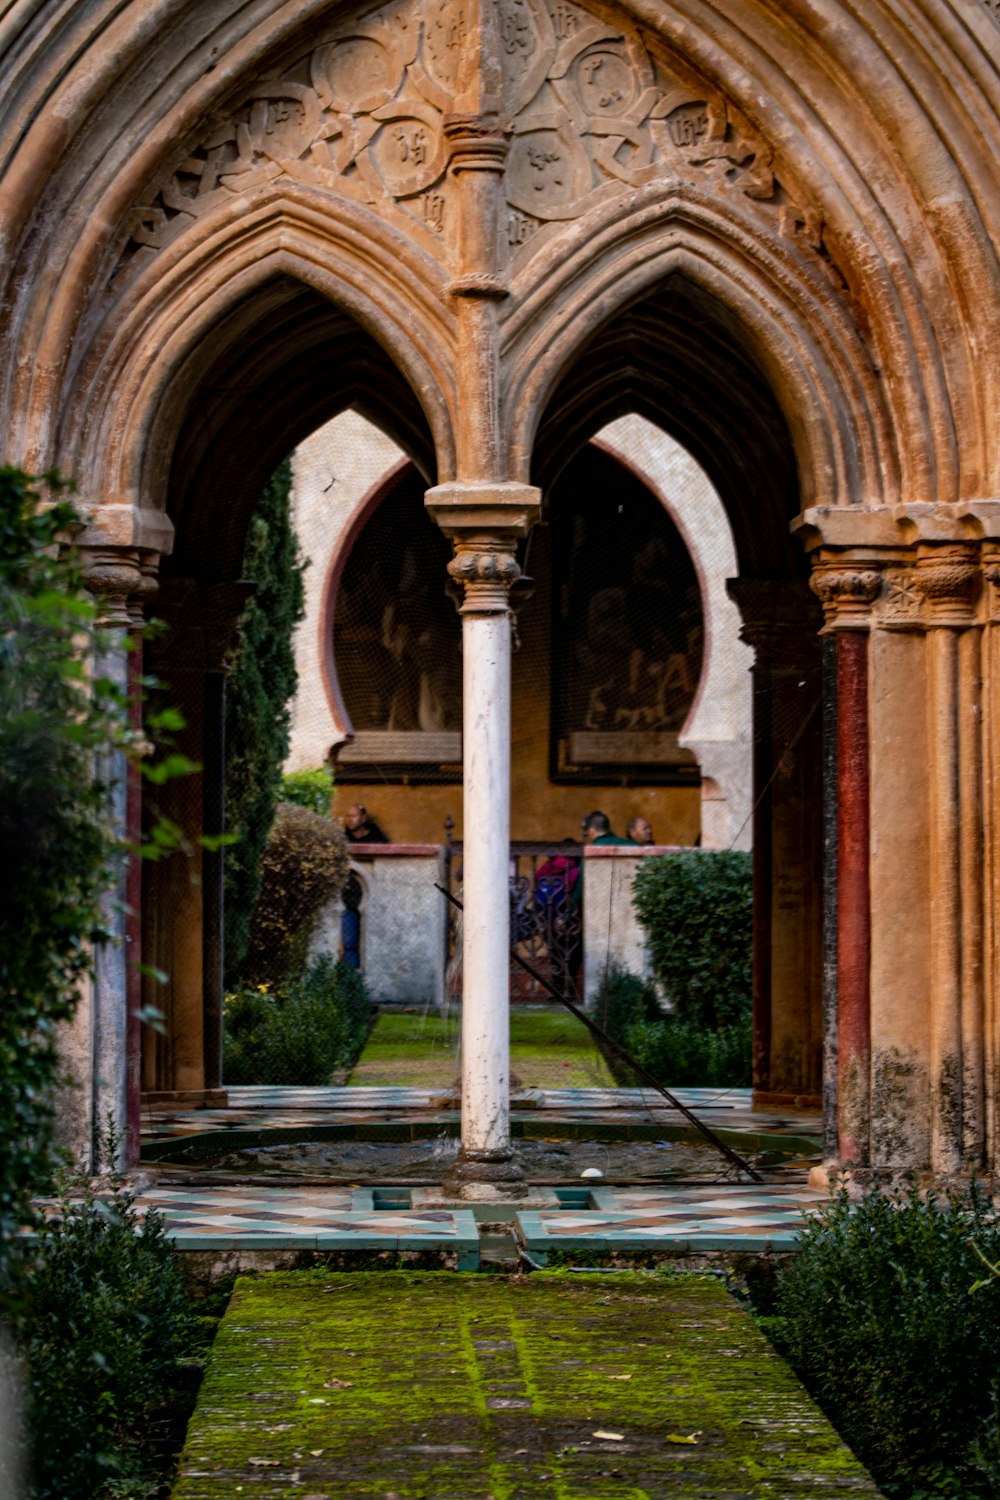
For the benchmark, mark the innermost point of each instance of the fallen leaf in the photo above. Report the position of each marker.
(675, 1437)
(317, 1451)
(618, 1437)
(318, 1401)
(264, 1463)
(338, 1385)
(619, 1377)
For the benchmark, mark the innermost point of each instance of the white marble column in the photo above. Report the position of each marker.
(485, 567)
(486, 960)
(111, 577)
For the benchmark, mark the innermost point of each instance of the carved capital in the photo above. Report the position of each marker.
(846, 594)
(948, 580)
(486, 573)
(149, 587)
(112, 575)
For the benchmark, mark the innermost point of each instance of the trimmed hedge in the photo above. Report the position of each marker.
(892, 1319)
(300, 1032)
(677, 1053)
(696, 909)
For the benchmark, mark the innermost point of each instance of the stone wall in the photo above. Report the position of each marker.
(403, 923)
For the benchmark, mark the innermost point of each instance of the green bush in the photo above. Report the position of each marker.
(102, 1323)
(676, 1052)
(311, 789)
(304, 865)
(301, 1031)
(681, 1055)
(624, 1000)
(880, 1314)
(696, 910)
(57, 846)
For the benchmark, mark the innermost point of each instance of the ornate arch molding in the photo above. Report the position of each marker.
(830, 118)
(129, 394)
(802, 336)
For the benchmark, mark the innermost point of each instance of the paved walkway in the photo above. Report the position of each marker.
(417, 1386)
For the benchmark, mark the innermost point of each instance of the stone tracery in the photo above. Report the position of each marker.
(592, 110)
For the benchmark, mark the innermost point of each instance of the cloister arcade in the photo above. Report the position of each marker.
(770, 229)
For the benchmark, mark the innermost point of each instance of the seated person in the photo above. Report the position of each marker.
(361, 828)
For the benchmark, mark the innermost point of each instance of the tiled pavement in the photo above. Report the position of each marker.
(681, 1219)
(283, 1108)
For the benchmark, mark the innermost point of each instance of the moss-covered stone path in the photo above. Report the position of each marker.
(399, 1385)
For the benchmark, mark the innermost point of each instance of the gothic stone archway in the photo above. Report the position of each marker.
(797, 204)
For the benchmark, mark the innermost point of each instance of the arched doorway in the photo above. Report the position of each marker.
(769, 236)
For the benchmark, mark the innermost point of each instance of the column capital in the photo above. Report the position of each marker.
(486, 571)
(991, 583)
(112, 576)
(847, 587)
(948, 579)
(477, 142)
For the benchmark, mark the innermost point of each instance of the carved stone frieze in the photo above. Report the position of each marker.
(364, 112)
(901, 606)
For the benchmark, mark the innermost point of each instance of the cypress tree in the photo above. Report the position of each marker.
(260, 687)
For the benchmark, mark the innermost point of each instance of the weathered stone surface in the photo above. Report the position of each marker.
(494, 229)
(435, 1385)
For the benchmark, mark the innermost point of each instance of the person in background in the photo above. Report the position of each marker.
(360, 828)
(640, 831)
(597, 830)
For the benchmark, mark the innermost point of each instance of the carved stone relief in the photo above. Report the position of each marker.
(592, 112)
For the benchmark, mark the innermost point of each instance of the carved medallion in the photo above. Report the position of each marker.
(548, 171)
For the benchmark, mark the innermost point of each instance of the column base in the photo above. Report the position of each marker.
(485, 1177)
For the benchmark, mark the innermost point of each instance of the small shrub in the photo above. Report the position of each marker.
(696, 910)
(880, 1314)
(679, 1054)
(299, 1033)
(102, 1323)
(311, 789)
(304, 864)
(623, 1000)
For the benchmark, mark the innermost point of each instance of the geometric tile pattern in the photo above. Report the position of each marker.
(679, 1220)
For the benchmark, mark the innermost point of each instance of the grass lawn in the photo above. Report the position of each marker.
(549, 1048)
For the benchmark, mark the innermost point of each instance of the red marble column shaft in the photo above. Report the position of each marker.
(133, 923)
(854, 898)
